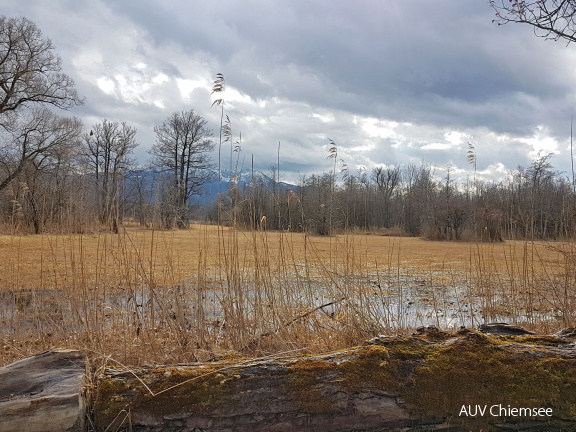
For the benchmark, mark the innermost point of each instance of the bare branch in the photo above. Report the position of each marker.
(551, 19)
(30, 71)
(182, 148)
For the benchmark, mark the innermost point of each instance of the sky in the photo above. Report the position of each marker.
(389, 82)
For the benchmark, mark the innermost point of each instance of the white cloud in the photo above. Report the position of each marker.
(362, 148)
(436, 146)
(378, 128)
(234, 95)
(160, 79)
(187, 86)
(496, 171)
(456, 138)
(106, 85)
(324, 118)
(460, 80)
(540, 142)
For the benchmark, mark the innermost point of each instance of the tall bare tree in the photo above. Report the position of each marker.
(32, 139)
(387, 181)
(30, 70)
(31, 78)
(182, 150)
(108, 147)
(50, 189)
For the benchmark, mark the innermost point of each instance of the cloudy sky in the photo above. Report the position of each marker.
(390, 82)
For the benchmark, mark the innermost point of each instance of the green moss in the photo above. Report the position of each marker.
(480, 372)
(310, 365)
(408, 348)
(435, 379)
(304, 379)
(110, 402)
(174, 389)
(368, 368)
(533, 340)
(372, 369)
(373, 353)
(179, 388)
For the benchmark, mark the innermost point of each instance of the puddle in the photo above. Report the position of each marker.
(399, 303)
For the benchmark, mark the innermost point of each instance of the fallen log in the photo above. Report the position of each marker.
(43, 393)
(431, 381)
(504, 329)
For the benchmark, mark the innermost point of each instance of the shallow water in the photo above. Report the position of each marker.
(401, 303)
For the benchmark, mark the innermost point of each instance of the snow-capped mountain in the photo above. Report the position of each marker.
(147, 181)
(243, 178)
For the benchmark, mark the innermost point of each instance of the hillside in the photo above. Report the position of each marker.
(146, 182)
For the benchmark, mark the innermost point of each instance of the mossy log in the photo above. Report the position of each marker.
(430, 381)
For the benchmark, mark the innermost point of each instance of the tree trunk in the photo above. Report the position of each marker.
(43, 393)
(430, 381)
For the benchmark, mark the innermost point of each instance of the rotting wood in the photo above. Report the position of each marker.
(391, 383)
(415, 383)
(43, 393)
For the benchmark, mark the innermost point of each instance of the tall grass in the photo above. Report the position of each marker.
(145, 296)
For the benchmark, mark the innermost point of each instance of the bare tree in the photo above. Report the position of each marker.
(108, 147)
(30, 79)
(387, 181)
(419, 191)
(182, 150)
(139, 195)
(32, 139)
(550, 19)
(48, 186)
(30, 71)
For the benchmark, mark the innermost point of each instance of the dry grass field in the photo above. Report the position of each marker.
(180, 296)
(172, 256)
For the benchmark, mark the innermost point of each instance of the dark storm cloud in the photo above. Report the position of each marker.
(407, 61)
(390, 82)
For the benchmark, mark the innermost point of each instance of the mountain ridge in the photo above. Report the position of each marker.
(148, 180)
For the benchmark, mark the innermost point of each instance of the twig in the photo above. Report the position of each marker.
(310, 312)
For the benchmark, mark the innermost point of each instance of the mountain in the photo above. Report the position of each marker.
(146, 182)
(244, 178)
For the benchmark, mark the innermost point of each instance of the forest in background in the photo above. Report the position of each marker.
(58, 175)
(64, 195)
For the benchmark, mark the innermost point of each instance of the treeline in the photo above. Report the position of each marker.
(533, 202)
(57, 176)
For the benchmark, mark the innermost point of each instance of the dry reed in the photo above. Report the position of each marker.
(146, 296)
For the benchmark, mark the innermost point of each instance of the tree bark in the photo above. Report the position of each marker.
(392, 383)
(430, 381)
(43, 393)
